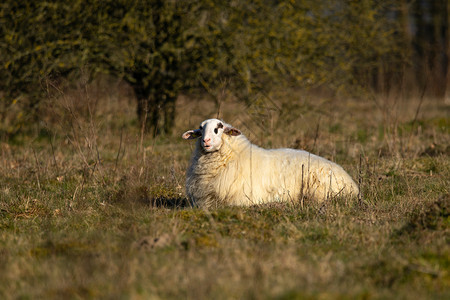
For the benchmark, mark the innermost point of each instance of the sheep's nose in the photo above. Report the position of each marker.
(207, 140)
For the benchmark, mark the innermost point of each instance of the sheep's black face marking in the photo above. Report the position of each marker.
(219, 125)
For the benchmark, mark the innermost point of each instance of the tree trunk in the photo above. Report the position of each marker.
(431, 45)
(152, 111)
(407, 71)
(169, 114)
(145, 107)
(439, 46)
(446, 64)
(420, 44)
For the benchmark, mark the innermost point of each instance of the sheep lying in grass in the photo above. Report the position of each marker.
(226, 169)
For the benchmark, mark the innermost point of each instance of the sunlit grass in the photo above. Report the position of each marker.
(90, 208)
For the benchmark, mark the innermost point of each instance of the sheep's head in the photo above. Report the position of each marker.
(210, 132)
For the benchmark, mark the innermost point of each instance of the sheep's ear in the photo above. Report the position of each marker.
(232, 131)
(192, 134)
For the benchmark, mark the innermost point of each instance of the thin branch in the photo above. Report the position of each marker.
(37, 169)
(120, 148)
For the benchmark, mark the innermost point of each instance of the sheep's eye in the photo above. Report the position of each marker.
(216, 130)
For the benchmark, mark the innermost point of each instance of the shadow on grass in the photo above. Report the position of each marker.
(168, 202)
(150, 196)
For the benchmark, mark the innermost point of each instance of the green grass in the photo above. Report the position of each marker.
(90, 209)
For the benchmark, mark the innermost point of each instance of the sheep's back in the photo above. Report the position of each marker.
(280, 175)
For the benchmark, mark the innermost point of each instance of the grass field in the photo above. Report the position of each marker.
(91, 208)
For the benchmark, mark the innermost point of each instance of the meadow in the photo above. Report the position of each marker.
(90, 207)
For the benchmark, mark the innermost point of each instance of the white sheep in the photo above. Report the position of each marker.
(226, 169)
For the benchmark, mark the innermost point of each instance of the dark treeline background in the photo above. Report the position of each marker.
(163, 48)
